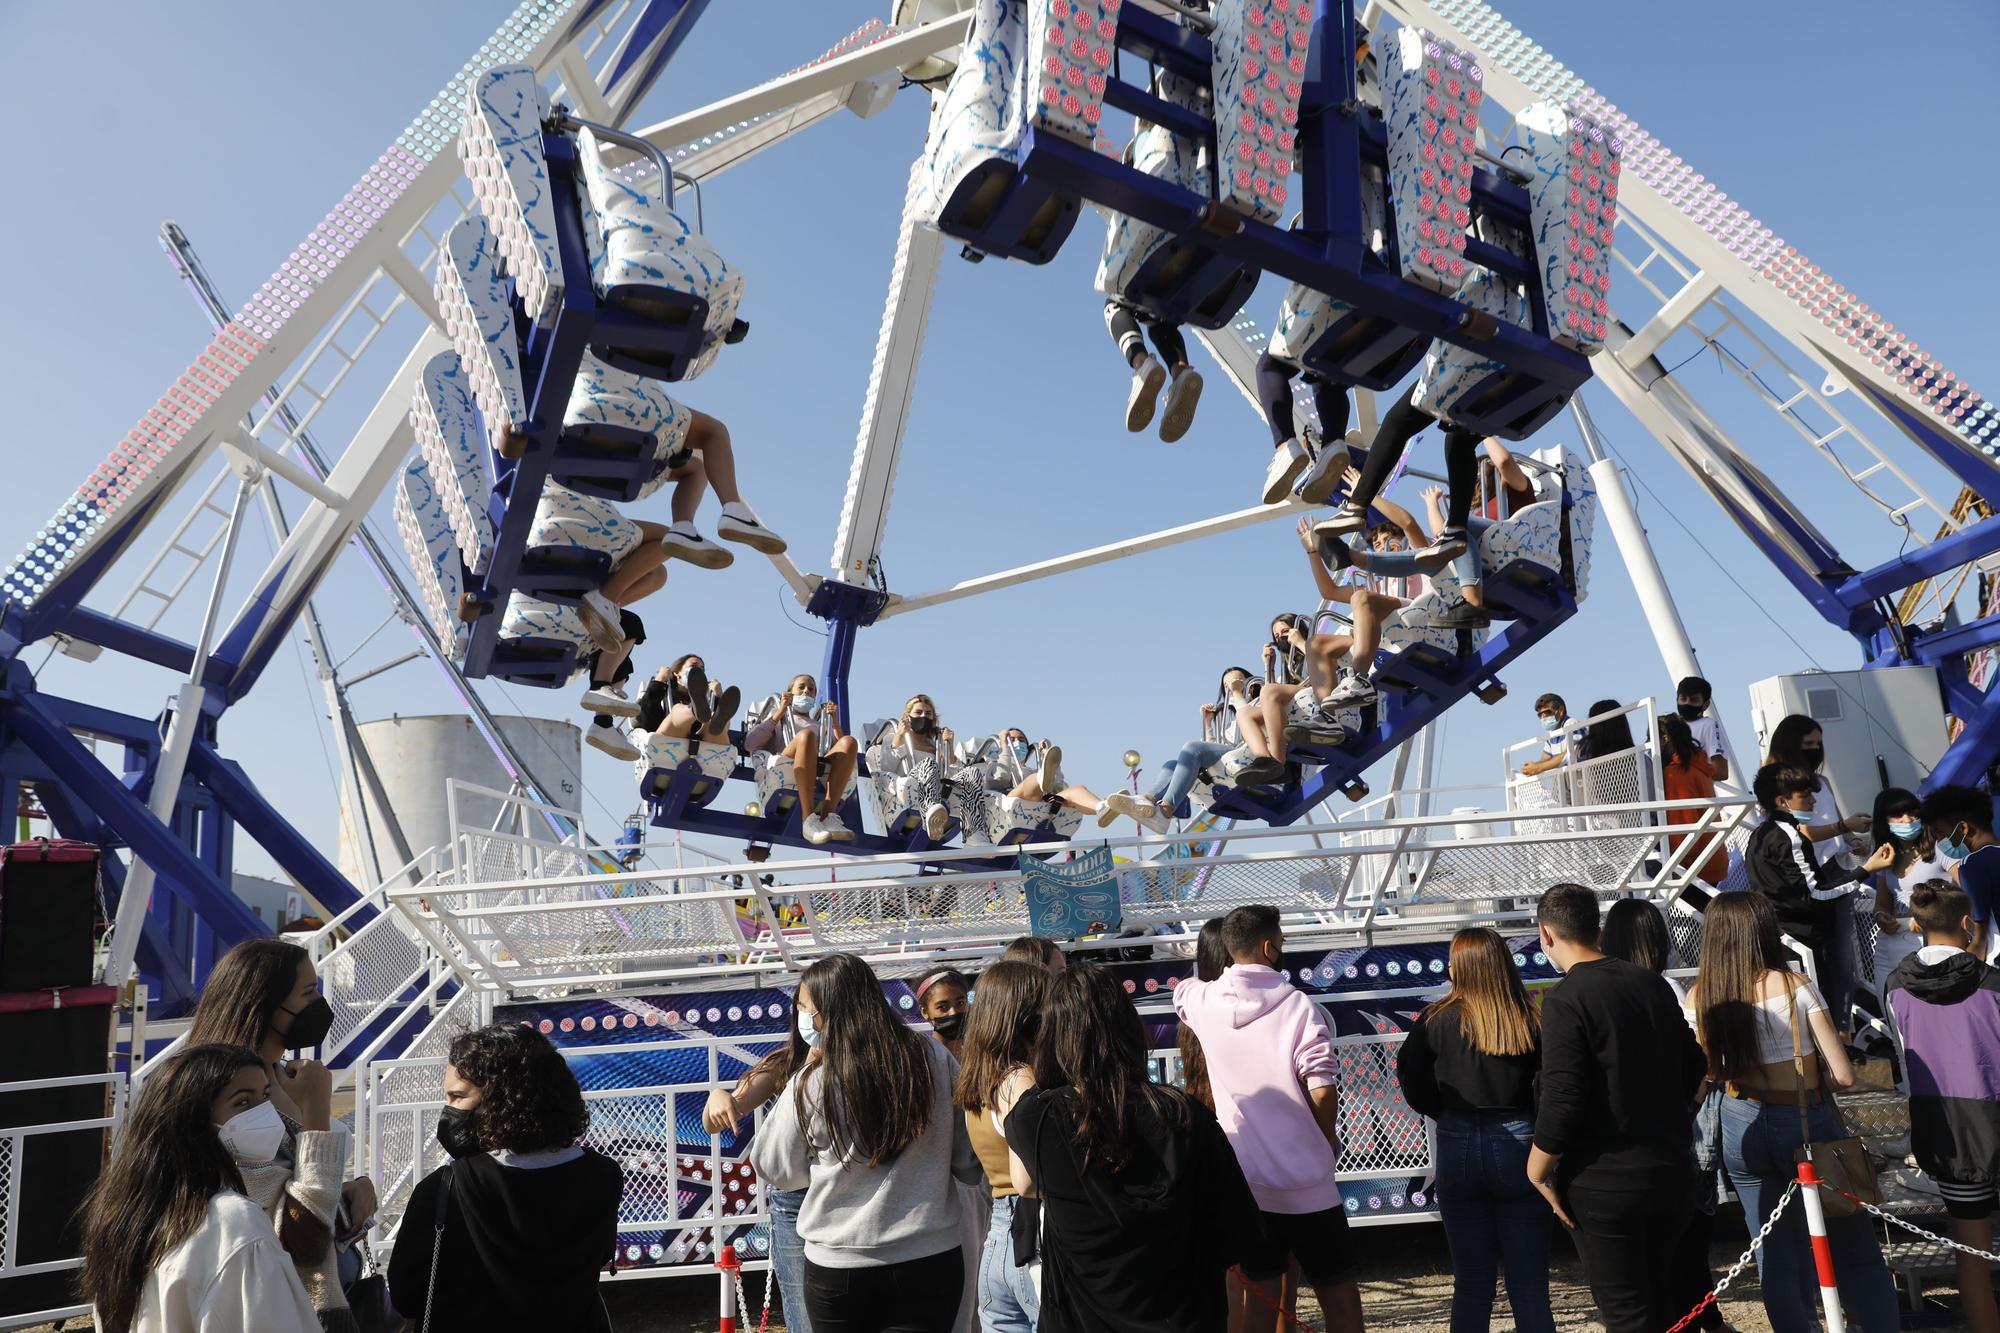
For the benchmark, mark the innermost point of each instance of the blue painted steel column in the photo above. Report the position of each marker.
(237, 798)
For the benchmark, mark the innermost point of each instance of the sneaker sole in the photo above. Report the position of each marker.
(1139, 411)
(607, 635)
(1340, 525)
(611, 708)
(758, 539)
(627, 752)
(1432, 560)
(1278, 487)
(711, 557)
(840, 835)
(1051, 774)
(1320, 489)
(1180, 411)
(935, 829)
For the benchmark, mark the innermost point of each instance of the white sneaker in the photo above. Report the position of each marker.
(1348, 518)
(1354, 692)
(1051, 774)
(684, 542)
(599, 615)
(1147, 377)
(1139, 808)
(1322, 479)
(815, 830)
(977, 837)
(612, 741)
(1287, 461)
(936, 820)
(610, 699)
(1182, 399)
(1153, 817)
(740, 524)
(835, 828)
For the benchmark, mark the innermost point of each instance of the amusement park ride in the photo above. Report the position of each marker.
(1460, 207)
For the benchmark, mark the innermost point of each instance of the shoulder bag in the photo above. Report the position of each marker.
(1842, 1163)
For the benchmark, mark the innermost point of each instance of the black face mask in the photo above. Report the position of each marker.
(951, 1027)
(1691, 712)
(309, 1025)
(457, 1131)
(922, 725)
(1811, 758)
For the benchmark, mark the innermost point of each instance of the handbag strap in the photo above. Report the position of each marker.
(437, 1245)
(1798, 1056)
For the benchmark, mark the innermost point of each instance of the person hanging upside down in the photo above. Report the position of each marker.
(806, 732)
(1170, 368)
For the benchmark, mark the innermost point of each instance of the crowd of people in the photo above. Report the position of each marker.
(1013, 1164)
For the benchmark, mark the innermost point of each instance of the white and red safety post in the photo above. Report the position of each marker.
(1829, 1291)
(730, 1266)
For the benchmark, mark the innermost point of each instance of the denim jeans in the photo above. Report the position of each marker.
(1494, 1220)
(1757, 1145)
(1404, 564)
(1177, 775)
(1008, 1301)
(788, 1257)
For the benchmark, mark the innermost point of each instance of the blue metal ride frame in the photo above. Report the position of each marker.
(1326, 254)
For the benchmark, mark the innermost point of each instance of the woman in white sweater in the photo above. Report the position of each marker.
(264, 994)
(170, 1242)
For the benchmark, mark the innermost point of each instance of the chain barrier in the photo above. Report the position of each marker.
(743, 1302)
(1912, 1227)
(1289, 1319)
(1742, 1261)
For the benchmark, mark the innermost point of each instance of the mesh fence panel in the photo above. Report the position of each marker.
(376, 963)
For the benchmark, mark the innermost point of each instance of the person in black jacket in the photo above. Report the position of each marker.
(1469, 1063)
(1781, 865)
(529, 1216)
(1619, 1072)
(1144, 1208)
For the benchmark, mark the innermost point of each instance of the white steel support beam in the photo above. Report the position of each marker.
(1653, 334)
(580, 86)
(1098, 555)
(885, 412)
(839, 74)
(323, 531)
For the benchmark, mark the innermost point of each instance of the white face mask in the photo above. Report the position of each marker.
(253, 1137)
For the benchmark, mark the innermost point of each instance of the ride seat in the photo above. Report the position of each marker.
(573, 545)
(541, 643)
(649, 261)
(1573, 199)
(429, 542)
(446, 423)
(1432, 91)
(471, 291)
(1339, 342)
(663, 760)
(621, 435)
(1175, 279)
(1011, 821)
(500, 148)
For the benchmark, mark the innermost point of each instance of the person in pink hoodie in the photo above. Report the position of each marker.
(1271, 1067)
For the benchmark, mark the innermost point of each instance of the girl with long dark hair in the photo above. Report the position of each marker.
(264, 995)
(1897, 823)
(1211, 957)
(171, 1244)
(529, 1214)
(1469, 1063)
(1144, 1208)
(999, 1050)
(1770, 1040)
(868, 1130)
(724, 1113)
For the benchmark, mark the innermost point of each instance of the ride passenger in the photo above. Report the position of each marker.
(917, 761)
(804, 731)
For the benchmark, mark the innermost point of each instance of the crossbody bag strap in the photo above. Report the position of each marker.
(437, 1244)
(1798, 1057)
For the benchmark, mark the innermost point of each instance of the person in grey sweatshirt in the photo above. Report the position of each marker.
(868, 1130)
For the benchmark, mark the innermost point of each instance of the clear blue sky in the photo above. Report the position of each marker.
(1842, 125)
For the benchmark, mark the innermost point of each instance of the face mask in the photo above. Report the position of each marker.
(951, 1027)
(802, 703)
(1951, 849)
(309, 1025)
(253, 1137)
(922, 725)
(1812, 758)
(457, 1132)
(1906, 830)
(1552, 724)
(1020, 750)
(1691, 712)
(808, 1032)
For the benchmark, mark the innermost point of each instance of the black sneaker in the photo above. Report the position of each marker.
(1446, 547)
(1461, 615)
(697, 688)
(1335, 552)
(1260, 772)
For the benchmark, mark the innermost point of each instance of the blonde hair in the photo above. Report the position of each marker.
(1487, 997)
(903, 722)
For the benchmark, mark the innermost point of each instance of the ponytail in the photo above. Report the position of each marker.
(1940, 907)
